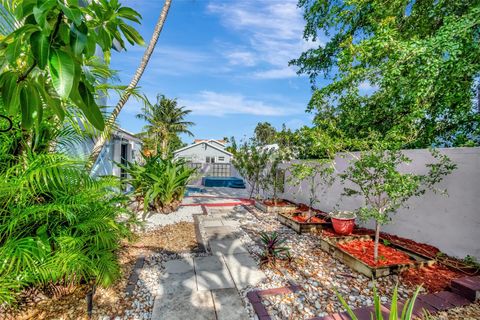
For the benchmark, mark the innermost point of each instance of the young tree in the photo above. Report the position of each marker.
(375, 176)
(165, 120)
(317, 173)
(264, 133)
(102, 139)
(251, 162)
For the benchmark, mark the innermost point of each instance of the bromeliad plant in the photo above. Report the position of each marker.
(159, 184)
(274, 249)
(376, 176)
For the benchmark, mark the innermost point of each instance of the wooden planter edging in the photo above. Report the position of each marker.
(271, 209)
(330, 245)
(301, 227)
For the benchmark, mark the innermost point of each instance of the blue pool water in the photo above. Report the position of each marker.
(230, 182)
(193, 190)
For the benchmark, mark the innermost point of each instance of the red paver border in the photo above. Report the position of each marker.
(255, 298)
(432, 302)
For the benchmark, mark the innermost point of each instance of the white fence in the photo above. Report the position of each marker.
(451, 223)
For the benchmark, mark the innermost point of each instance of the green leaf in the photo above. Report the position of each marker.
(91, 44)
(92, 111)
(24, 8)
(14, 50)
(72, 13)
(83, 99)
(130, 14)
(104, 39)
(131, 34)
(30, 104)
(62, 72)
(40, 48)
(78, 39)
(10, 92)
(48, 100)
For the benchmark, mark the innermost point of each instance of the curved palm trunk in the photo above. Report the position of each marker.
(133, 84)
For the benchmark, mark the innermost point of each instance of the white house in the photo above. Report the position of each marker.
(204, 151)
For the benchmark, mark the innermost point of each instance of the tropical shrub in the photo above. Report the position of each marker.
(47, 51)
(159, 183)
(407, 311)
(57, 225)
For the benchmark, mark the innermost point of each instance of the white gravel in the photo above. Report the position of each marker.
(182, 214)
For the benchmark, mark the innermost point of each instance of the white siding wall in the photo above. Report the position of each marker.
(451, 223)
(200, 152)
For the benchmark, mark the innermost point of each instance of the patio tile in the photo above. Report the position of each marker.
(216, 279)
(209, 263)
(179, 266)
(230, 223)
(244, 270)
(227, 246)
(183, 306)
(229, 305)
(212, 223)
(177, 282)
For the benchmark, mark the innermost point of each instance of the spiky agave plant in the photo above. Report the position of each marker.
(57, 224)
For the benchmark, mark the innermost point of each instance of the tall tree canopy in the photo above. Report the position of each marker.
(420, 58)
(265, 133)
(165, 120)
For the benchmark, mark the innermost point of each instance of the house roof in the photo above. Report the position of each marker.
(122, 133)
(199, 143)
(209, 140)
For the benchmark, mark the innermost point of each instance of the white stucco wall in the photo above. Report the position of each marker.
(451, 223)
(199, 152)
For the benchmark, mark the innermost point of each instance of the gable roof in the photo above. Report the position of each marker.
(222, 142)
(200, 143)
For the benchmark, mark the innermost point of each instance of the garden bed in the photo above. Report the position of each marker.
(301, 224)
(359, 256)
(280, 206)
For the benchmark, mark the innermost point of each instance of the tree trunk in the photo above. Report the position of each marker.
(102, 139)
(377, 238)
(164, 148)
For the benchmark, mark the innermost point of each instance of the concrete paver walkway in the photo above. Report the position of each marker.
(208, 287)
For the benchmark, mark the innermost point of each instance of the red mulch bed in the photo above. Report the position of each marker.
(304, 208)
(363, 250)
(304, 219)
(434, 278)
(280, 203)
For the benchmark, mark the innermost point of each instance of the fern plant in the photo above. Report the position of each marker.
(159, 183)
(57, 224)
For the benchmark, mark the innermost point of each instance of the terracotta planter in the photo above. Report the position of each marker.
(343, 222)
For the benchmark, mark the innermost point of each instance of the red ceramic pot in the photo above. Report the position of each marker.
(343, 226)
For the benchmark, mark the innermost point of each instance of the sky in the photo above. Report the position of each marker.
(226, 60)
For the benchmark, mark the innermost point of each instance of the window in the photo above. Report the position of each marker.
(209, 159)
(221, 159)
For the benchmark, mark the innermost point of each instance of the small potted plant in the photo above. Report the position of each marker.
(343, 221)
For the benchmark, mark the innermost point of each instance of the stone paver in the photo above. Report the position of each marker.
(244, 270)
(189, 305)
(227, 246)
(207, 287)
(228, 305)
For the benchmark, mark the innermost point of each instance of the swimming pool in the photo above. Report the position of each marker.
(230, 182)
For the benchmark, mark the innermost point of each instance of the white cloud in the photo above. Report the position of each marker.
(221, 104)
(273, 31)
(239, 57)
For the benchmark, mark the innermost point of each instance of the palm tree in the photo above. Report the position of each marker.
(102, 139)
(165, 120)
